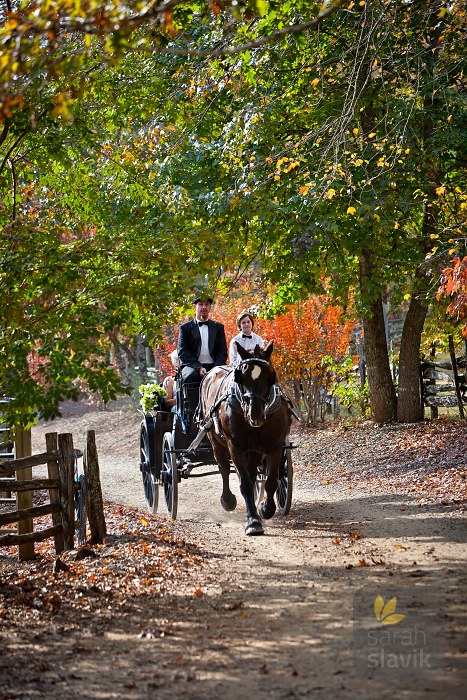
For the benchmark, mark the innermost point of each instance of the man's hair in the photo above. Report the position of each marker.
(202, 297)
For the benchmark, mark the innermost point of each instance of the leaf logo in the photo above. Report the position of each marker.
(385, 613)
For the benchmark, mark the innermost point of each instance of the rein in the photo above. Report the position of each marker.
(238, 394)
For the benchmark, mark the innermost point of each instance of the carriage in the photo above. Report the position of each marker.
(173, 447)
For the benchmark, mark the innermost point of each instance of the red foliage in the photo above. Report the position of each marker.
(305, 334)
(454, 284)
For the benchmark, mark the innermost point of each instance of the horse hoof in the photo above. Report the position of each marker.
(254, 528)
(229, 503)
(266, 512)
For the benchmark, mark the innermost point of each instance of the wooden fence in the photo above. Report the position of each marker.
(62, 484)
(444, 384)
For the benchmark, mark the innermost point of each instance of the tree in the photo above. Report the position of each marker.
(206, 140)
(307, 337)
(337, 164)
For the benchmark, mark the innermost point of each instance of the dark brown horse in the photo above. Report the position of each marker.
(250, 422)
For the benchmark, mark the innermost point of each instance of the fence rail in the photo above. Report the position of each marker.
(62, 485)
(443, 384)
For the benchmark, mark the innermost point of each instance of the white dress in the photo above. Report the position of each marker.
(247, 343)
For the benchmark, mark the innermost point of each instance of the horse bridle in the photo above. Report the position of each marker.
(243, 395)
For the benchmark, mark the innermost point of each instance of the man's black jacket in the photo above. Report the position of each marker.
(189, 343)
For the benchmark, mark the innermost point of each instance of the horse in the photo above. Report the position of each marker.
(248, 420)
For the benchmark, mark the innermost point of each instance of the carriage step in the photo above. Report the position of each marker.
(186, 468)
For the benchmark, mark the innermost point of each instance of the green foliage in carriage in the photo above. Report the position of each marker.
(151, 396)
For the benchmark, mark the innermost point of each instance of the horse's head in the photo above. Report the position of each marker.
(255, 375)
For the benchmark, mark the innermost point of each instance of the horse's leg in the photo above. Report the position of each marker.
(222, 455)
(246, 468)
(267, 507)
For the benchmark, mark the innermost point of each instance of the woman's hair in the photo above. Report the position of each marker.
(242, 315)
(175, 359)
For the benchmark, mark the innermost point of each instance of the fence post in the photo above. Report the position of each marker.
(51, 445)
(93, 493)
(24, 498)
(452, 353)
(67, 497)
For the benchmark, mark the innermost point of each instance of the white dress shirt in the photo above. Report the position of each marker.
(204, 354)
(247, 343)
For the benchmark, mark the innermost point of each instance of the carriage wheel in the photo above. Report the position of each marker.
(148, 462)
(169, 475)
(80, 504)
(285, 482)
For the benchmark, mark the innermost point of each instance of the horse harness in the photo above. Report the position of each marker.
(236, 396)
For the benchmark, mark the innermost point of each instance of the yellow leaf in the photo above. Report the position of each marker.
(377, 217)
(11, 24)
(372, 135)
(330, 193)
(378, 607)
(304, 189)
(407, 151)
(291, 166)
(393, 619)
(440, 191)
(449, 118)
(442, 12)
(315, 82)
(389, 607)
(145, 522)
(351, 210)
(434, 235)
(396, 226)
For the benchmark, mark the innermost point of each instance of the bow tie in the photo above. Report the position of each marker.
(246, 336)
(202, 323)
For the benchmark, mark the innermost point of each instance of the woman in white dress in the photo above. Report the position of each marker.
(246, 338)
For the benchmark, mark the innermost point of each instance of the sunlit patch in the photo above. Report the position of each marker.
(255, 372)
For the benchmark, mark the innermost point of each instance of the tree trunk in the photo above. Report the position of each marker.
(383, 399)
(409, 405)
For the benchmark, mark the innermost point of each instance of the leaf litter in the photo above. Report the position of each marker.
(427, 460)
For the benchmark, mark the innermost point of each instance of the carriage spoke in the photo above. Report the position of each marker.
(148, 463)
(169, 475)
(285, 482)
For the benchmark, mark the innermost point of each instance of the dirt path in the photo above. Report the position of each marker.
(290, 614)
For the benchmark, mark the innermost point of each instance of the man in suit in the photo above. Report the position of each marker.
(201, 346)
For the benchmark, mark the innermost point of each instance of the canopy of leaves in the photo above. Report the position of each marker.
(149, 147)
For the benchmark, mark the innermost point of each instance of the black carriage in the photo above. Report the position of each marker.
(172, 447)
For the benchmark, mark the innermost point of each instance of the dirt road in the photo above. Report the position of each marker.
(356, 594)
